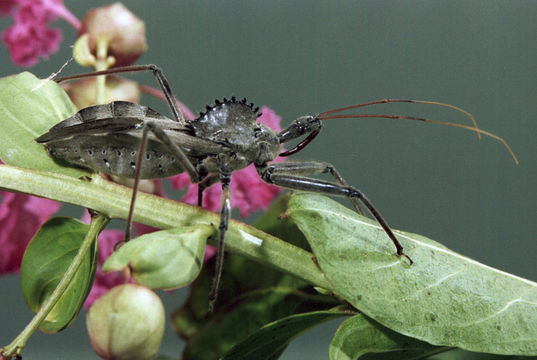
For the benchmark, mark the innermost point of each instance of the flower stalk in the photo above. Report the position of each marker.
(102, 63)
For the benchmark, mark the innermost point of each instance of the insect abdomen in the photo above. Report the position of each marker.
(115, 160)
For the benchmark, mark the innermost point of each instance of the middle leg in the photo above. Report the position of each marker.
(174, 149)
(224, 221)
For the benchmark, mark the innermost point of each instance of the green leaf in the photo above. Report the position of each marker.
(45, 262)
(272, 339)
(360, 335)
(28, 108)
(166, 259)
(250, 296)
(444, 298)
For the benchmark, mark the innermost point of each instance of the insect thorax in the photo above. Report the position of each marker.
(234, 125)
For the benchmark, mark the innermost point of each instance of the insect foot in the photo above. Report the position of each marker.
(354, 193)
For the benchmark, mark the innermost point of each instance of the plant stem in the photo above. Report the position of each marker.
(98, 222)
(113, 200)
(102, 63)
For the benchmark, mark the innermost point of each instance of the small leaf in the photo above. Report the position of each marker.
(166, 259)
(46, 260)
(272, 339)
(444, 298)
(28, 108)
(360, 335)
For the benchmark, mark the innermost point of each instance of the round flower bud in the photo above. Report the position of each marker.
(121, 29)
(126, 323)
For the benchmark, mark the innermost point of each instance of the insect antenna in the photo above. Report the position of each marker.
(331, 114)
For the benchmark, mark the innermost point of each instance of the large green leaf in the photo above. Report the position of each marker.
(166, 259)
(359, 335)
(44, 264)
(272, 339)
(444, 298)
(28, 108)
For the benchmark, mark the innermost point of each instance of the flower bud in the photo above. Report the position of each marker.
(123, 31)
(83, 92)
(126, 323)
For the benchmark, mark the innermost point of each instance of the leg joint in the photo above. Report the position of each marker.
(154, 68)
(354, 193)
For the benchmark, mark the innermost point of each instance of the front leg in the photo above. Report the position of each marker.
(305, 125)
(291, 176)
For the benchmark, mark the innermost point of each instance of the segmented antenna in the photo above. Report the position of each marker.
(328, 115)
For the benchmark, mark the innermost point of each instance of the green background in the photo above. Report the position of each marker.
(302, 57)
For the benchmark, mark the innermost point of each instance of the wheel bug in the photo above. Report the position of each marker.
(130, 140)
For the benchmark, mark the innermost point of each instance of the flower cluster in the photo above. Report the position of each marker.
(30, 37)
(20, 218)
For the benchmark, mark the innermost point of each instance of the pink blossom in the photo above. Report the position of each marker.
(30, 37)
(20, 218)
(248, 192)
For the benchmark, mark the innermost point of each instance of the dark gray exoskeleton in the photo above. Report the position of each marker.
(134, 141)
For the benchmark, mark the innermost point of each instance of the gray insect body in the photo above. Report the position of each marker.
(106, 138)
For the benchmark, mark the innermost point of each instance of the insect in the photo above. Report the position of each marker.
(134, 141)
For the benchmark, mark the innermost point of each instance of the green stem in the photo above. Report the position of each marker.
(102, 63)
(113, 200)
(98, 222)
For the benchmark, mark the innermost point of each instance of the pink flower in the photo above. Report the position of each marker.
(30, 37)
(248, 192)
(20, 218)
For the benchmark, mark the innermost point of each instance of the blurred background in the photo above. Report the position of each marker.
(305, 57)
